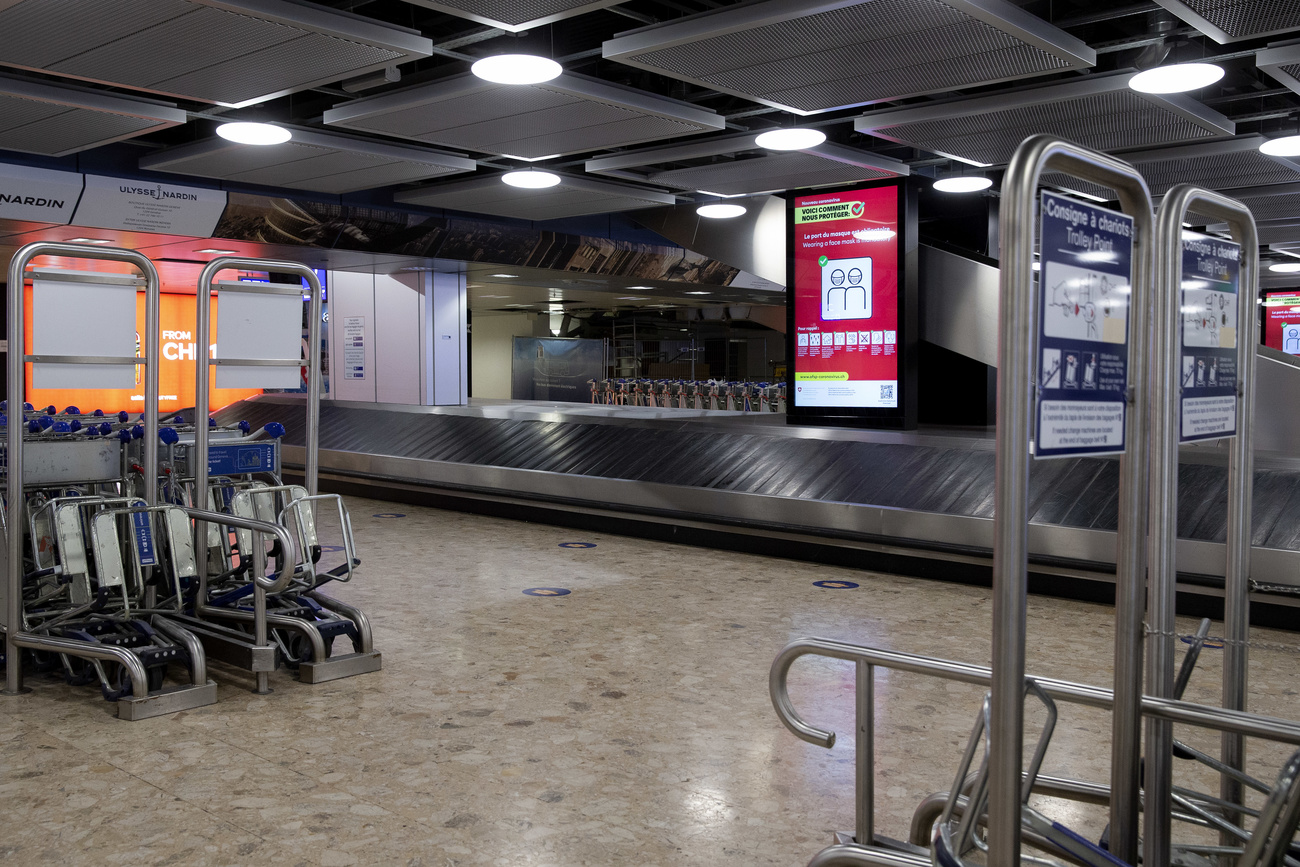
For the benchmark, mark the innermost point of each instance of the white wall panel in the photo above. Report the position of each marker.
(397, 350)
(352, 296)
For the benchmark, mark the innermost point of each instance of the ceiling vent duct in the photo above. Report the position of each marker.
(40, 118)
(1217, 165)
(1099, 112)
(754, 171)
(313, 161)
(1282, 64)
(569, 114)
(1235, 20)
(515, 15)
(572, 197)
(230, 52)
(808, 56)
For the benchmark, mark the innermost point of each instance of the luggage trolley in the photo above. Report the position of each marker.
(314, 607)
(135, 696)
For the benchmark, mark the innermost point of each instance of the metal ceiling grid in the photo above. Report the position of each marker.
(1217, 165)
(1235, 20)
(809, 56)
(313, 161)
(1099, 112)
(755, 171)
(515, 15)
(1282, 64)
(573, 197)
(569, 114)
(39, 118)
(230, 52)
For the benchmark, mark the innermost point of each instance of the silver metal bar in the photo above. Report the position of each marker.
(198, 659)
(290, 555)
(260, 362)
(1016, 344)
(1163, 530)
(17, 385)
(365, 635)
(864, 830)
(86, 359)
(256, 288)
(85, 650)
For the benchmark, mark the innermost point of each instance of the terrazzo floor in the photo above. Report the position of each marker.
(626, 723)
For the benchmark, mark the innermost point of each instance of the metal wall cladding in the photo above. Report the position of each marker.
(570, 114)
(236, 53)
(571, 198)
(818, 56)
(1234, 20)
(767, 173)
(515, 14)
(1099, 112)
(311, 161)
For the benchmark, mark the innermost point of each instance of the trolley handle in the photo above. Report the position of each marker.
(292, 556)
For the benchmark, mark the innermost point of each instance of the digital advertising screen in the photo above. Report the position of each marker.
(1282, 321)
(849, 329)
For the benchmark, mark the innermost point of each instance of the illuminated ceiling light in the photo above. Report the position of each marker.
(720, 212)
(516, 69)
(1178, 78)
(632, 298)
(640, 288)
(699, 293)
(254, 133)
(1285, 267)
(531, 179)
(963, 184)
(790, 139)
(1038, 266)
(1287, 146)
(88, 241)
(214, 251)
(505, 276)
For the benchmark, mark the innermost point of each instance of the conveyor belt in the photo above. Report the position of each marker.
(898, 485)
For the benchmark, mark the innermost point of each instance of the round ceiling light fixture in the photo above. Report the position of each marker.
(963, 184)
(1285, 267)
(719, 211)
(790, 139)
(531, 179)
(516, 69)
(1286, 146)
(244, 132)
(1178, 78)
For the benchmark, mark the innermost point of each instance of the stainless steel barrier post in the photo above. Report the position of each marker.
(865, 754)
(15, 636)
(1016, 345)
(1166, 391)
(203, 324)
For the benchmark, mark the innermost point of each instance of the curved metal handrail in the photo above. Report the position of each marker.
(292, 557)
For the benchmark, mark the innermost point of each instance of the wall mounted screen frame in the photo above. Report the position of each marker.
(831, 248)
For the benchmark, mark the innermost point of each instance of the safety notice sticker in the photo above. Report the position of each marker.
(1084, 289)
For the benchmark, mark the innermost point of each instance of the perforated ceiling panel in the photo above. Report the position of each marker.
(762, 174)
(515, 15)
(1277, 204)
(1220, 165)
(232, 52)
(40, 118)
(1099, 112)
(310, 161)
(1233, 20)
(1282, 64)
(808, 56)
(573, 197)
(567, 115)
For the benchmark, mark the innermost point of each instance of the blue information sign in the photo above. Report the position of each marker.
(1208, 365)
(143, 532)
(1084, 290)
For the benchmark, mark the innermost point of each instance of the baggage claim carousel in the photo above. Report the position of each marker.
(918, 503)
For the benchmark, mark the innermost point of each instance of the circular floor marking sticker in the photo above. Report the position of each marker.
(577, 544)
(547, 591)
(835, 585)
(388, 515)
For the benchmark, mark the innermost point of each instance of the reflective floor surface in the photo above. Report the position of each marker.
(627, 722)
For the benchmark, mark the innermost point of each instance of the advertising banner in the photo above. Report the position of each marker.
(1208, 370)
(555, 368)
(1282, 321)
(846, 299)
(41, 195)
(1085, 286)
(145, 206)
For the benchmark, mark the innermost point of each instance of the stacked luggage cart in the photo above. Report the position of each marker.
(137, 551)
(987, 817)
(710, 394)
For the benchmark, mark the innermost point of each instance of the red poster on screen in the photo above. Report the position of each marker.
(846, 284)
(1282, 321)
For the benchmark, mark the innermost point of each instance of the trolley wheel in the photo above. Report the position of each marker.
(156, 676)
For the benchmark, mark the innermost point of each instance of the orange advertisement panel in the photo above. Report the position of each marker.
(175, 373)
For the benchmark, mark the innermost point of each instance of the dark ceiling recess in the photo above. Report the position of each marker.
(661, 98)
